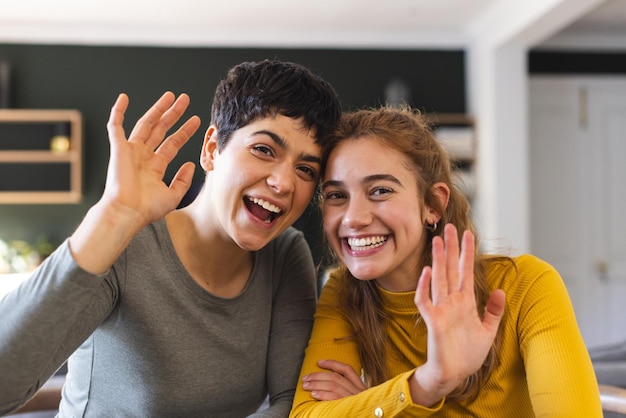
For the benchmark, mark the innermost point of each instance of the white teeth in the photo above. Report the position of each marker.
(265, 205)
(360, 244)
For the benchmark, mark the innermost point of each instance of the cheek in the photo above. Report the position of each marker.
(402, 220)
(407, 210)
(327, 215)
(230, 180)
(303, 195)
(331, 222)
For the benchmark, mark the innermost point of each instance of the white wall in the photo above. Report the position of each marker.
(497, 80)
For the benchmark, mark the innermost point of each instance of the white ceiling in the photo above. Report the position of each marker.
(602, 28)
(273, 23)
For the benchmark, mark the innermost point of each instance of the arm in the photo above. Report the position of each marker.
(45, 319)
(51, 314)
(561, 380)
(292, 318)
(46, 399)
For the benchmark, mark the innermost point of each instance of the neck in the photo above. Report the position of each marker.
(401, 281)
(202, 251)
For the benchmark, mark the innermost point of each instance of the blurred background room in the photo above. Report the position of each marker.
(530, 97)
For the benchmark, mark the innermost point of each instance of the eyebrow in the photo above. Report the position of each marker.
(366, 180)
(283, 144)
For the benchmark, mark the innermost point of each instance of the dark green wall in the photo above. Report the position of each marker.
(576, 62)
(89, 78)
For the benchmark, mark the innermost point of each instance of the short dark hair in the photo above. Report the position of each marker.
(254, 90)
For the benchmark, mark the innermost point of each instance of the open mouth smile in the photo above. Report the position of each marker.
(364, 244)
(262, 209)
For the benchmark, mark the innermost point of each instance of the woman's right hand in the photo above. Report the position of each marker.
(137, 164)
(135, 193)
(458, 338)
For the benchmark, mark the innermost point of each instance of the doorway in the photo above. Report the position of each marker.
(577, 149)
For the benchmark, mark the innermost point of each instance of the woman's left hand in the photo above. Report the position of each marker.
(340, 381)
(459, 337)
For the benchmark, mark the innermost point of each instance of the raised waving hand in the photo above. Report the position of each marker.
(138, 164)
(135, 193)
(458, 339)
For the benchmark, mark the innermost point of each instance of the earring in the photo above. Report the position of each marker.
(431, 227)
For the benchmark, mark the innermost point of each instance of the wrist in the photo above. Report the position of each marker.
(426, 390)
(103, 234)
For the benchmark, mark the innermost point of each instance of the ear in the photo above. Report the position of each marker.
(209, 149)
(441, 191)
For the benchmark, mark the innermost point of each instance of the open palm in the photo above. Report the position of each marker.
(458, 338)
(138, 164)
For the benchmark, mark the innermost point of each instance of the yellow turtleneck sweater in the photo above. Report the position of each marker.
(544, 368)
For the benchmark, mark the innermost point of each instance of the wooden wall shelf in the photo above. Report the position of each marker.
(31, 171)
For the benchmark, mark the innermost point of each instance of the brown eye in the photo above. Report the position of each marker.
(334, 196)
(381, 191)
(309, 172)
(262, 149)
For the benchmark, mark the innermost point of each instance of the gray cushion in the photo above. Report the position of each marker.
(611, 372)
(609, 352)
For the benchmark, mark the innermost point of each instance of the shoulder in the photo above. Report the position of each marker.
(154, 234)
(287, 258)
(526, 280)
(151, 247)
(532, 263)
(525, 268)
(533, 272)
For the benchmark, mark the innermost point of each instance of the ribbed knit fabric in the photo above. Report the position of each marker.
(148, 341)
(544, 368)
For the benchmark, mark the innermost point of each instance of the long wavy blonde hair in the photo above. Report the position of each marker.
(406, 131)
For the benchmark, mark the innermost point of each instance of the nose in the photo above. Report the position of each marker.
(282, 179)
(357, 213)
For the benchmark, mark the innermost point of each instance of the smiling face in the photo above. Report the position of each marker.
(373, 212)
(262, 180)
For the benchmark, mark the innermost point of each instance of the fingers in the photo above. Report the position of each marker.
(466, 263)
(452, 256)
(169, 117)
(422, 294)
(453, 264)
(170, 147)
(182, 179)
(152, 127)
(340, 381)
(327, 386)
(116, 120)
(151, 122)
(342, 369)
(445, 267)
(494, 310)
(439, 277)
(154, 124)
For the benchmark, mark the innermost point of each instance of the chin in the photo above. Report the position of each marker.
(253, 243)
(364, 273)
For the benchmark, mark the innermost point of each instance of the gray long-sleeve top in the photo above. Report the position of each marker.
(147, 341)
